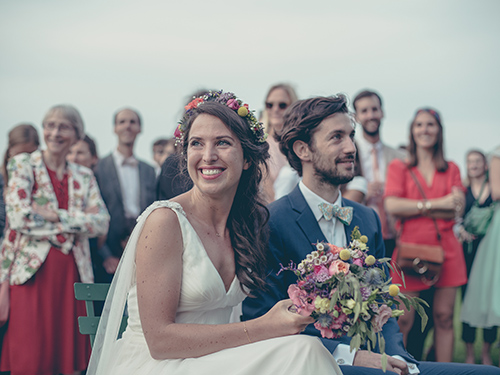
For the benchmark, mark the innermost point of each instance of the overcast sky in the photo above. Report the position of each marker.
(152, 54)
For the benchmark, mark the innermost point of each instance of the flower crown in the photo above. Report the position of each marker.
(228, 99)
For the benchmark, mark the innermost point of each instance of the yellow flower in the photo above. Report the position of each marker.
(363, 239)
(242, 111)
(393, 290)
(345, 254)
(350, 303)
(322, 304)
(370, 260)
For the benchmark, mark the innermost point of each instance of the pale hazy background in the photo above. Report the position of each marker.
(151, 54)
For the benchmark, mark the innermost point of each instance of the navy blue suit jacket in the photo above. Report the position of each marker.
(293, 230)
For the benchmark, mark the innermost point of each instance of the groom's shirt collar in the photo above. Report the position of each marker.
(314, 200)
(333, 230)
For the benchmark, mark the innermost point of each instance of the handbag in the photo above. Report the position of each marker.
(424, 261)
(477, 220)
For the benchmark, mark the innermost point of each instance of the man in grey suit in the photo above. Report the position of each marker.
(374, 157)
(127, 187)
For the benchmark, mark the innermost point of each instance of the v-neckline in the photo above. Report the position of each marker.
(212, 264)
(424, 180)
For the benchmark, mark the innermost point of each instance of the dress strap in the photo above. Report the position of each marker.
(109, 324)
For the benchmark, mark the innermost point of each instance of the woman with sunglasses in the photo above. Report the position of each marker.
(426, 195)
(278, 99)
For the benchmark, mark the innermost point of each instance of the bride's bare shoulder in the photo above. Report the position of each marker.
(161, 228)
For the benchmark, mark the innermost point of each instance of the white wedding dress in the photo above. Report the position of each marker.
(203, 300)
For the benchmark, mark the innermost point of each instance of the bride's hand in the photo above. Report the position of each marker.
(283, 317)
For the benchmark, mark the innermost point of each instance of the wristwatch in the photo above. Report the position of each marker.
(420, 206)
(428, 205)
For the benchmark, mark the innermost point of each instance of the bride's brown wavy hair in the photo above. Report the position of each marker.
(248, 215)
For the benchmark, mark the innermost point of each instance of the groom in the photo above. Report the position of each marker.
(317, 139)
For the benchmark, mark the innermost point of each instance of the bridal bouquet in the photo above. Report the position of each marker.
(347, 292)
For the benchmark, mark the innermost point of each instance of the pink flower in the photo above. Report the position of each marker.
(358, 262)
(319, 269)
(338, 323)
(335, 249)
(321, 273)
(333, 328)
(178, 132)
(233, 104)
(76, 185)
(325, 331)
(301, 300)
(381, 318)
(338, 266)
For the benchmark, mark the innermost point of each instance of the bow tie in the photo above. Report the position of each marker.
(344, 214)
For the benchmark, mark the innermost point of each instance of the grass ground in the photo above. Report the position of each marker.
(459, 352)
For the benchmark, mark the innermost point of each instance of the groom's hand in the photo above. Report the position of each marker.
(364, 358)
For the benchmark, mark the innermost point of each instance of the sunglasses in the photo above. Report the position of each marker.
(280, 105)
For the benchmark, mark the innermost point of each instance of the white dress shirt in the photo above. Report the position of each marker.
(128, 174)
(332, 229)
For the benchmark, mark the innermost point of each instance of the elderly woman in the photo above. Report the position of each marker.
(52, 208)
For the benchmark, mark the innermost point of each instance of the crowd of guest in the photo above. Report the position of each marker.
(66, 215)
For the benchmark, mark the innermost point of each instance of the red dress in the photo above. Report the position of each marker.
(421, 229)
(42, 336)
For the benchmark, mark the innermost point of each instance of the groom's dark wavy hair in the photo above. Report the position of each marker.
(248, 214)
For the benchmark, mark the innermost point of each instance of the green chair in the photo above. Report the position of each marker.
(90, 293)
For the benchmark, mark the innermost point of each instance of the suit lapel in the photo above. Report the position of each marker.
(142, 193)
(305, 218)
(355, 219)
(114, 180)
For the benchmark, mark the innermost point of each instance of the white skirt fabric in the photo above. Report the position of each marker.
(299, 354)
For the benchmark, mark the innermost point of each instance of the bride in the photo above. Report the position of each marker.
(191, 259)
